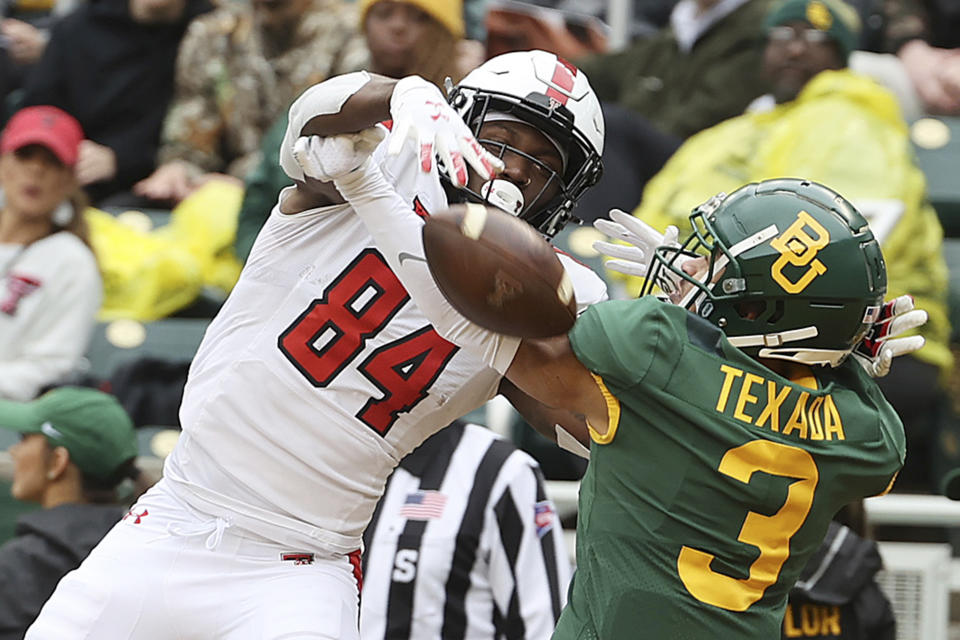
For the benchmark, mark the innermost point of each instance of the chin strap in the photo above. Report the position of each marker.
(769, 342)
(832, 357)
(773, 339)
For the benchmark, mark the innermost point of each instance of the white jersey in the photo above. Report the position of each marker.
(50, 292)
(319, 374)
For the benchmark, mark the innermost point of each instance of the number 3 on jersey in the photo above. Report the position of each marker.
(770, 534)
(334, 329)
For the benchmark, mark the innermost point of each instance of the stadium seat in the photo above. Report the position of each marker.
(156, 442)
(937, 143)
(117, 342)
(156, 217)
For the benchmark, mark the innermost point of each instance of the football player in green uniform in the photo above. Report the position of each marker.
(727, 429)
(737, 427)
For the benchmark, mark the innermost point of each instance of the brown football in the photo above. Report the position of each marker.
(499, 272)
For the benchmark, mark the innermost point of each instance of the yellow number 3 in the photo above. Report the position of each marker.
(770, 534)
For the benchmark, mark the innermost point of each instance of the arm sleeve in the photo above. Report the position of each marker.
(325, 98)
(61, 323)
(620, 339)
(397, 230)
(529, 566)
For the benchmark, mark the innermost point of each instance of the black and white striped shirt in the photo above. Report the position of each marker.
(464, 544)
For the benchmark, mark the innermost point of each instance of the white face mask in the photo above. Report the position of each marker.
(499, 116)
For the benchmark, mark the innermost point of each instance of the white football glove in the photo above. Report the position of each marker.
(880, 346)
(332, 157)
(636, 260)
(420, 111)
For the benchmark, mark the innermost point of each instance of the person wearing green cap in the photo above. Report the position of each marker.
(77, 446)
(804, 38)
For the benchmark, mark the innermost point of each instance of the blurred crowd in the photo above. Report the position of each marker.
(177, 109)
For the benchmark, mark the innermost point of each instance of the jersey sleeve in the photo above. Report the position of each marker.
(620, 340)
(884, 457)
(588, 287)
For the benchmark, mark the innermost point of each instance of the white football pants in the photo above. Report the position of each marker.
(165, 573)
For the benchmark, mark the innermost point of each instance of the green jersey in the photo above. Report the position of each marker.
(716, 479)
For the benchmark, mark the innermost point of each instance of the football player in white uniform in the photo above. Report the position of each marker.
(319, 374)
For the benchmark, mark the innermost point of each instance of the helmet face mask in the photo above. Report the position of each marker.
(549, 94)
(790, 271)
(534, 210)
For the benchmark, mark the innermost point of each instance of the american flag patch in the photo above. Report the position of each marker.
(871, 314)
(544, 516)
(423, 505)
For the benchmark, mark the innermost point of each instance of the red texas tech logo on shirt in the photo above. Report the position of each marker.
(18, 288)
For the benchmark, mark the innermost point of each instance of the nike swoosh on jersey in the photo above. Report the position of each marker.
(403, 255)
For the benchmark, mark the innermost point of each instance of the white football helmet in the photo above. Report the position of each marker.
(550, 94)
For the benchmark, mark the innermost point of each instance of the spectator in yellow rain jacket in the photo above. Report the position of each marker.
(827, 124)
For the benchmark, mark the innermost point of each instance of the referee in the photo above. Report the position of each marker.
(463, 544)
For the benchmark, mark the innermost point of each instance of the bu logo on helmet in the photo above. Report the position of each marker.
(799, 248)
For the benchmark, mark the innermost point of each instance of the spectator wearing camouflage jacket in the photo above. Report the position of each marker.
(237, 69)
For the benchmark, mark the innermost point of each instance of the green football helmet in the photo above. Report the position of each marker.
(792, 271)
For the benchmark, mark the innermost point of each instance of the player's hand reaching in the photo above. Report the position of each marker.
(635, 258)
(329, 158)
(643, 240)
(880, 346)
(420, 111)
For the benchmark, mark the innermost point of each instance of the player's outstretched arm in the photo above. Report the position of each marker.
(344, 104)
(545, 419)
(547, 370)
(349, 105)
(397, 231)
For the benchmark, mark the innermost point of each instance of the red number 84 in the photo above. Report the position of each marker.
(333, 330)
